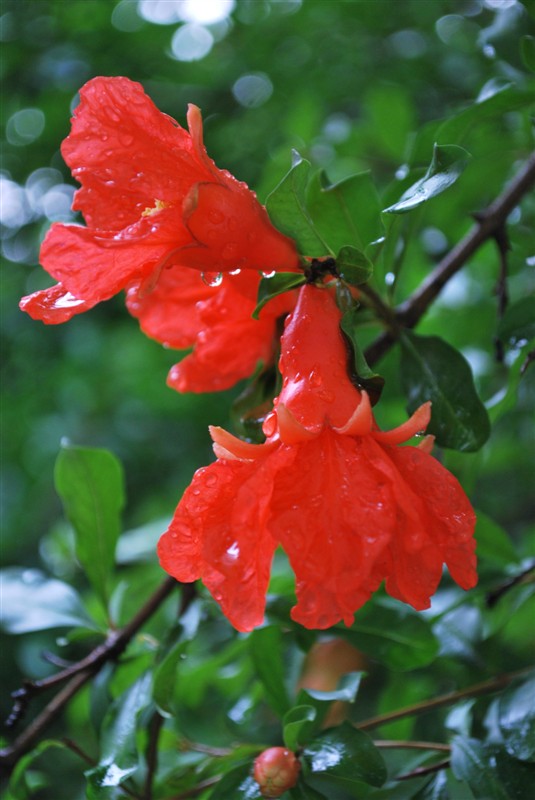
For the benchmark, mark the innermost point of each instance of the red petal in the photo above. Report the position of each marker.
(316, 387)
(96, 265)
(219, 534)
(127, 154)
(53, 305)
(332, 513)
(169, 312)
(233, 231)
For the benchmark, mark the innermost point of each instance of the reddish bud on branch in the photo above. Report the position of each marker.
(276, 770)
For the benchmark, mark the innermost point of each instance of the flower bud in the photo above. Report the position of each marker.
(276, 770)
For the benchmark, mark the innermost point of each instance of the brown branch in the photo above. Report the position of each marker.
(82, 671)
(393, 744)
(489, 224)
(417, 773)
(155, 727)
(526, 576)
(485, 687)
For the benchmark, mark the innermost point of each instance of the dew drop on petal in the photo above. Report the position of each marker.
(229, 251)
(216, 216)
(212, 278)
(234, 271)
(126, 139)
(269, 274)
(211, 480)
(315, 378)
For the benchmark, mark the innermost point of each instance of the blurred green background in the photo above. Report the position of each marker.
(348, 84)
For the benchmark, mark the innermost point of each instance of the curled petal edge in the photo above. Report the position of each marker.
(361, 420)
(227, 446)
(290, 430)
(415, 424)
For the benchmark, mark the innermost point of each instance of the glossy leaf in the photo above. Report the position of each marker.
(119, 758)
(433, 370)
(361, 373)
(393, 634)
(287, 208)
(489, 771)
(299, 725)
(302, 791)
(347, 213)
(516, 714)
(165, 676)
(493, 543)
(346, 754)
(237, 783)
(353, 266)
(267, 656)
(518, 322)
(345, 692)
(447, 164)
(527, 50)
(18, 784)
(33, 602)
(91, 486)
(277, 284)
(459, 632)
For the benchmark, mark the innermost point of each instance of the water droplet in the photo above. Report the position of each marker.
(212, 278)
(327, 396)
(216, 216)
(211, 479)
(315, 378)
(269, 274)
(126, 139)
(229, 251)
(112, 114)
(270, 424)
(234, 271)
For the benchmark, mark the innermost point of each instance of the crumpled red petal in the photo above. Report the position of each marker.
(54, 305)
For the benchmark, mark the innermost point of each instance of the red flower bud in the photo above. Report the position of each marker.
(276, 770)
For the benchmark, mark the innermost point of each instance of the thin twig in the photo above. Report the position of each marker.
(195, 791)
(489, 223)
(523, 577)
(392, 744)
(484, 687)
(78, 674)
(418, 773)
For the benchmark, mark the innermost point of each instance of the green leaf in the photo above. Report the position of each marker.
(91, 486)
(302, 791)
(346, 213)
(346, 754)
(393, 634)
(447, 164)
(353, 266)
(361, 375)
(489, 771)
(459, 631)
(493, 543)
(18, 785)
(265, 645)
(277, 284)
(345, 692)
(251, 407)
(518, 323)
(299, 725)
(287, 208)
(516, 710)
(433, 370)
(33, 602)
(527, 51)
(165, 676)
(237, 783)
(119, 757)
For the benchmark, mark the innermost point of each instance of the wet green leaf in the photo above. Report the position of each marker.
(447, 164)
(493, 543)
(393, 634)
(347, 755)
(489, 771)
(266, 652)
(277, 284)
(346, 213)
(237, 783)
(165, 676)
(516, 715)
(90, 483)
(361, 373)
(18, 785)
(345, 692)
(302, 791)
(353, 266)
(119, 758)
(33, 602)
(287, 208)
(299, 725)
(518, 323)
(433, 370)
(527, 50)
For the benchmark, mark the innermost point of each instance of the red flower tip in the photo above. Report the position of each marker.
(276, 770)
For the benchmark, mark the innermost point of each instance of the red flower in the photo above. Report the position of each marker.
(154, 204)
(349, 506)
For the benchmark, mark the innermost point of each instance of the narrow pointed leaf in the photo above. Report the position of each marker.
(448, 163)
(516, 708)
(278, 284)
(266, 653)
(91, 486)
(345, 692)
(489, 771)
(518, 323)
(287, 208)
(299, 726)
(433, 370)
